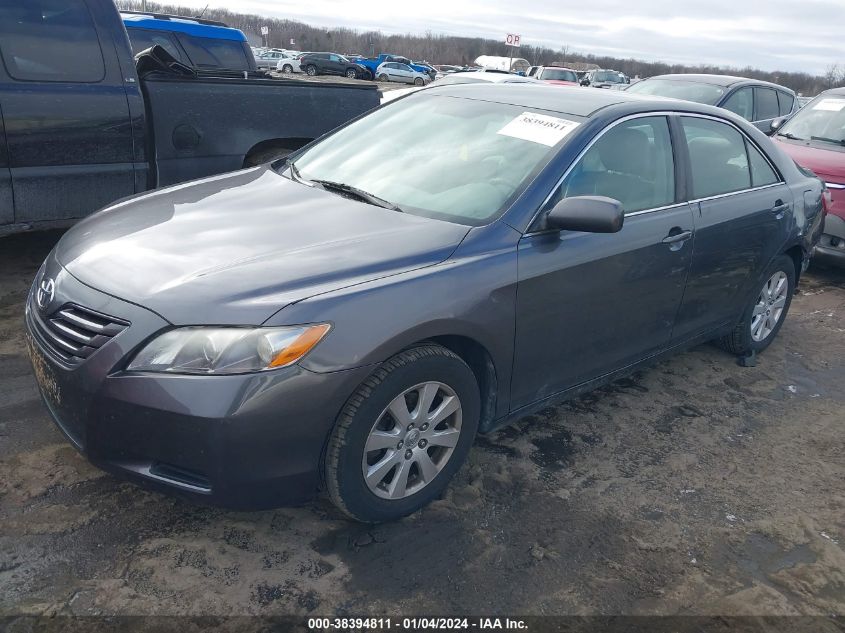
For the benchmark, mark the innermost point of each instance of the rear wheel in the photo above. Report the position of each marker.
(402, 435)
(382, 77)
(311, 70)
(351, 74)
(418, 81)
(766, 310)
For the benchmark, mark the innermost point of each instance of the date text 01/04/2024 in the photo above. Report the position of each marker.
(412, 624)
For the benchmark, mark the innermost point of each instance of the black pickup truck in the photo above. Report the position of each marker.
(81, 126)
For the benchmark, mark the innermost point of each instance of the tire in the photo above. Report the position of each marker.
(287, 69)
(382, 77)
(752, 334)
(311, 70)
(367, 416)
(351, 74)
(419, 82)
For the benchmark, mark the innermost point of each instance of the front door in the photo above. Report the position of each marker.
(65, 109)
(588, 304)
(742, 207)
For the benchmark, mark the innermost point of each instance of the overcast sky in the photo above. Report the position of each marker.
(799, 35)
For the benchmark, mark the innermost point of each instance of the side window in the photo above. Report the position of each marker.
(762, 173)
(718, 158)
(741, 102)
(206, 52)
(787, 101)
(334, 58)
(142, 39)
(632, 163)
(50, 40)
(767, 104)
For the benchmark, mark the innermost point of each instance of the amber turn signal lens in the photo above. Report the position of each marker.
(300, 346)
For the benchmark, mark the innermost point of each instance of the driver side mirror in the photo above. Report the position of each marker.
(585, 82)
(590, 214)
(776, 124)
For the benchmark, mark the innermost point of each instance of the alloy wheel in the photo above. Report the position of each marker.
(412, 440)
(769, 308)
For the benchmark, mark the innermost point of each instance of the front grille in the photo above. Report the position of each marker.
(73, 333)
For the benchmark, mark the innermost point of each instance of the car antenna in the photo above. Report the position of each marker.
(203, 12)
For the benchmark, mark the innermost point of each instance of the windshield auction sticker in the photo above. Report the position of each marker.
(538, 128)
(832, 105)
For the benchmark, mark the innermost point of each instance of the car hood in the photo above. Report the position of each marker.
(237, 248)
(828, 163)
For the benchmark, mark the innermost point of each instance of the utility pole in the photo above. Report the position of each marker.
(144, 6)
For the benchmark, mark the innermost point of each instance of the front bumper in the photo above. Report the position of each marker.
(831, 246)
(246, 441)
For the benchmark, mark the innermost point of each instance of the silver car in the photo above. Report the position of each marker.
(397, 71)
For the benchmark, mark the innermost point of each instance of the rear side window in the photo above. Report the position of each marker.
(741, 102)
(787, 102)
(50, 40)
(142, 39)
(767, 104)
(632, 163)
(762, 173)
(206, 52)
(718, 157)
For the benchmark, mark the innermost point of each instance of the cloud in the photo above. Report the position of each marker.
(771, 35)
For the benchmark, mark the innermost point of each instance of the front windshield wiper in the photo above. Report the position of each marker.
(837, 141)
(365, 196)
(792, 137)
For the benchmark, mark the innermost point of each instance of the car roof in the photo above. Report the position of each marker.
(178, 24)
(575, 101)
(718, 80)
(838, 92)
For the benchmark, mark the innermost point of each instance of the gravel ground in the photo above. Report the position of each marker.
(694, 487)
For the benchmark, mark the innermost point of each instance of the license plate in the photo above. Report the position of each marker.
(44, 375)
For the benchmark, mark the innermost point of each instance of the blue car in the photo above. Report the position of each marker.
(202, 44)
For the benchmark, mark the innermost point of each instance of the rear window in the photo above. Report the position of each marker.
(787, 102)
(767, 104)
(556, 74)
(680, 89)
(50, 40)
(206, 52)
(142, 39)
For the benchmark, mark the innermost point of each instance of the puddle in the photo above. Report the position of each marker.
(760, 557)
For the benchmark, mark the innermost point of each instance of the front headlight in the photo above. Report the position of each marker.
(227, 350)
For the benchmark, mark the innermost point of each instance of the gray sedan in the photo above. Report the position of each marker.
(318, 322)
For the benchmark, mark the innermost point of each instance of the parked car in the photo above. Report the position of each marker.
(203, 44)
(332, 64)
(815, 138)
(473, 76)
(757, 101)
(81, 127)
(394, 71)
(353, 326)
(556, 75)
(603, 79)
(373, 63)
(270, 59)
(290, 64)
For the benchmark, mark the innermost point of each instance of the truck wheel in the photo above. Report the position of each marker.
(402, 435)
(351, 74)
(311, 70)
(419, 82)
(766, 310)
(382, 77)
(287, 69)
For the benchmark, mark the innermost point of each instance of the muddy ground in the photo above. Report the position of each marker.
(695, 487)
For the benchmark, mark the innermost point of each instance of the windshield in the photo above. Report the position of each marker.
(822, 120)
(455, 159)
(556, 74)
(607, 75)
(687, 90)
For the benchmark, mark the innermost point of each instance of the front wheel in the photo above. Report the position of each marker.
(402, 435)
(310, 70)
(418, 81)
(382, 77)
(287, 69)
(766, 310)
(351, 74)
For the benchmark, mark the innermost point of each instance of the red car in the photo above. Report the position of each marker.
(557, 76)
(815, 138)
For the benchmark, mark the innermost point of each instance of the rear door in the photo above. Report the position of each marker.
(591, 303)
(766, 108)
(742, 208)
(65, 110)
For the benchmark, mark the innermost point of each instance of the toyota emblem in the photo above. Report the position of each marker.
(46, 291)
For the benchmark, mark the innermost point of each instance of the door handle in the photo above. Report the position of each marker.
(683, 236)
(780, 209)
